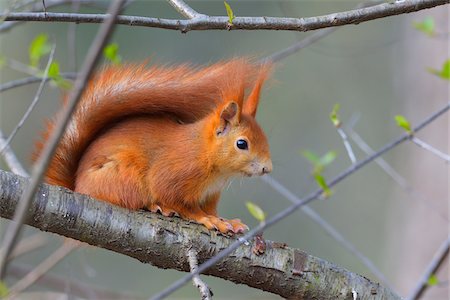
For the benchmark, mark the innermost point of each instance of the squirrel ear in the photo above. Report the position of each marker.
(251, 105)
(229, 114)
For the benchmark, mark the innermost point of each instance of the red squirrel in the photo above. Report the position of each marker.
(165, 138)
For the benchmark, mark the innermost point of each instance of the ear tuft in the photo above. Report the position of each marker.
(251, 105)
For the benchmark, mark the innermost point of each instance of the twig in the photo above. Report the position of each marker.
(205, 291)
(20, 67)
(430, 148)
(280, 188)
(38, 7)
(33, 103)
(303, 43)
(10, 158)
(77, 287)
(28, 80)
(72, 39)
(432, 268)
(185, 9)
(355, 16)
(304, 201)
(399, 179)
(347, 145)
(27, 245)
(44, 160)
(45, 266)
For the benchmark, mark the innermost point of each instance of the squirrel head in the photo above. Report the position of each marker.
(239, 143)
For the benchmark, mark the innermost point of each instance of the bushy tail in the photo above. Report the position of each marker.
(116, 92)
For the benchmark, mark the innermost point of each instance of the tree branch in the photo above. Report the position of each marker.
(163, 242)
(201, 22)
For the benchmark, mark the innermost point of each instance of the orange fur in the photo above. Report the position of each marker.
(165, 138)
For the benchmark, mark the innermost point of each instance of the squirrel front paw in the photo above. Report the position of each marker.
(223, 225)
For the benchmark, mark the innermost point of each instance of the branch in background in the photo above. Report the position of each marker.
(32, 79)
(347, 145)
(304, 201)
(77, 287)
(432, 268)
(163, 242)
(10, 158)
(433, 150)
(355, 16)
(205, 291)
(400, 180)
(303, 43)
(33, 103)
(336, 235)
(44, 160)
(42, 268)
(38, 6)
(28, 244)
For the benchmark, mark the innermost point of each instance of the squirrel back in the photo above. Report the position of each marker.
(203, 118)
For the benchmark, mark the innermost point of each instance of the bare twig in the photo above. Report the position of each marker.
(72, 40)
(10, 158)
(43, 161)
(347, 145)
(185, 9)
(430, 148)
(77, 287)
(303, 43)
(205, 291)
(33, 103)
(304, 201)
(45, 266)
(280, 188)
(399, 179)
(355, 16)
(32, 79)
(28, 244)
(39, 7)
(432, 268)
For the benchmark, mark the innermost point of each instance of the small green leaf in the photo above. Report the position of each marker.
(433, 280)
(323, 185)
(313, 158)
(444, 73)
(256, 211)
(403, 123)
(111, 52)
(230, 13)
(334, 115)
(4, 291)
(38, 48)
(426, 26)
(57, 79)
(53, 70)
(328, 158)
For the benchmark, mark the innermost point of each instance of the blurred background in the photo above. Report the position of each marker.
(374, 70)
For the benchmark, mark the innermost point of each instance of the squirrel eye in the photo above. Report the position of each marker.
(242, 144)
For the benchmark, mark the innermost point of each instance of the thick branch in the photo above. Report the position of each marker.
(163, 242)
(201, 22)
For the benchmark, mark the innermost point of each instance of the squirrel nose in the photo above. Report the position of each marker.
(267, 167)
